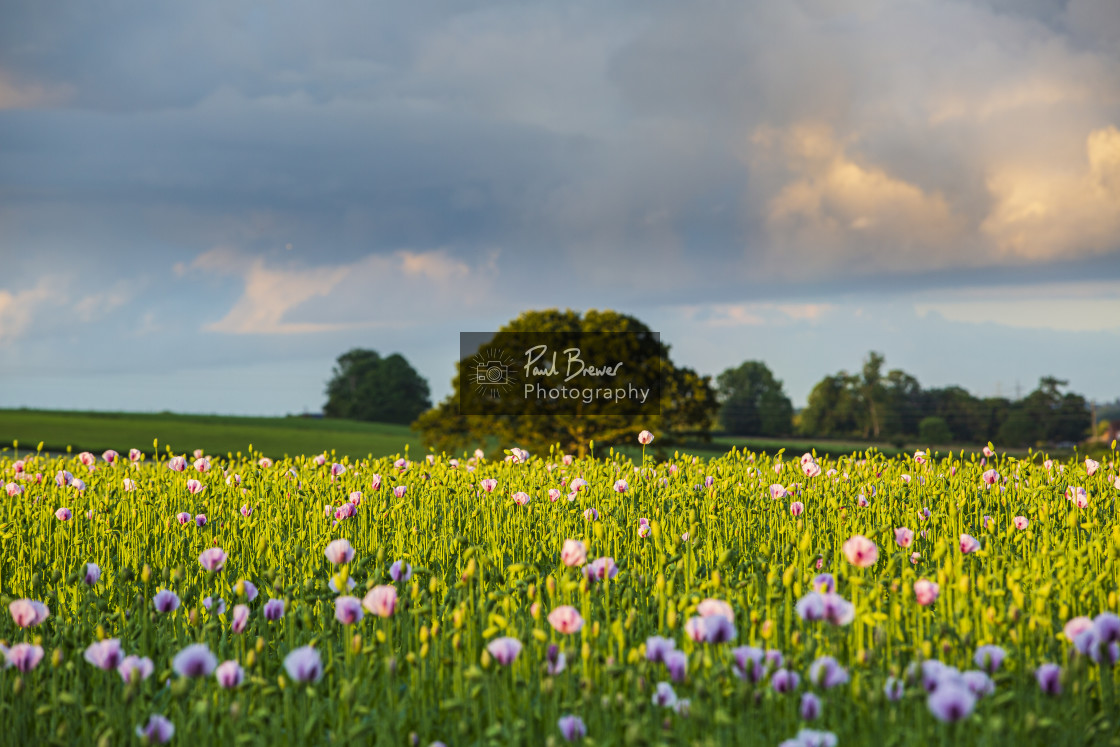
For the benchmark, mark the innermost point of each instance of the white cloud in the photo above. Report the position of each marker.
(17, 309)
(753, 314)
(399, 289)
(1068, 307)
(14, 95)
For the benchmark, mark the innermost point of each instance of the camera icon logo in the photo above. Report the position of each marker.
(493, 373)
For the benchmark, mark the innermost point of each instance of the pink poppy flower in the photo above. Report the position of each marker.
(1049, 678)
(87, 458)
(194, 486)
(1076, 627)
(337, 469)
(134, 454)
(926, 591)
(504, 650)
(195, 660)
(375, 482)
(246, 510)
(677, 664)
(990, 477)
(554, 495)
(304, 665)
(158, 730)
(572, 727)
(273, 610)
(712, 629)
(621, 486)
(810, 708)
(165, 601)
(565, 619)
(264, 462)
(1091, 466)
(951, 702)
(400, 490)
(489, 484)
(183, 517)
(212, 559)
(240, 619)
(664, 696)
(200, 520)
(989, 658)
(229, 674)
(573, 553)
(903, 536)
(520, 498)
(356, 497)
(28, 613)
(645, 438)
(92, 574)
(381, 600)
(969, 544)
(63, 514)
(601, 568)
(129, 485)
(915, 557)
(1021, 522)
(109, 456)
(202, 464)
(400, 570)
(713, 607)
(861, 501)
(860, 551)
(778, 492)
(23, 656)
(135, 668)
(657, 647)
(218, 608)
(797, 508)
(63, 478)
(105, 654)
(644, 528)
(177, 463)
(13, 489)
(555, 660)
(345, 511)
(339, 551)
(348, 610)
(567, 460)
(988, 451)
(401, 464)
(1078, 495)
(518, 456)
(591, 514)
(826, 672)
(812, 469)
(784, 681)
(905, 478)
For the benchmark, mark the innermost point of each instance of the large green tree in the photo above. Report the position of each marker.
(365, 386)
(687, 400)
(752, 402)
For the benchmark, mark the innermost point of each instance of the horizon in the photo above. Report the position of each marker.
(206, 224)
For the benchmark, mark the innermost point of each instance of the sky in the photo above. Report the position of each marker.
(203, 204)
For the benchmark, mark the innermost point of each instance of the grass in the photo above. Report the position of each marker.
(214, 434)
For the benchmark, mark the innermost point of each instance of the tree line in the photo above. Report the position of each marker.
(871, 404)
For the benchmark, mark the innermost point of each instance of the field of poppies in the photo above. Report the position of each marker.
(964, 599)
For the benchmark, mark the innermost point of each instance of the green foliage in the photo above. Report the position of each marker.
(688, 403)
(934, 430)
(484, 567)
(752, 402)
(365, 386)
(873, 406)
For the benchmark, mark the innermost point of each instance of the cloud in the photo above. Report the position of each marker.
(17, 310)
(1041, 213)
(839, 211)
(14, 95)
(1064, 307)
(753, 314)
(396, 290)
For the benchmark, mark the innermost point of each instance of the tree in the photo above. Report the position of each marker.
(365, 386)
(752, 402)
(934, 431)
(470, 416)
(832, 409)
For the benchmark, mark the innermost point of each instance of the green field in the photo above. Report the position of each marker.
(744, 600)
(214, 434)
(290, 436)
